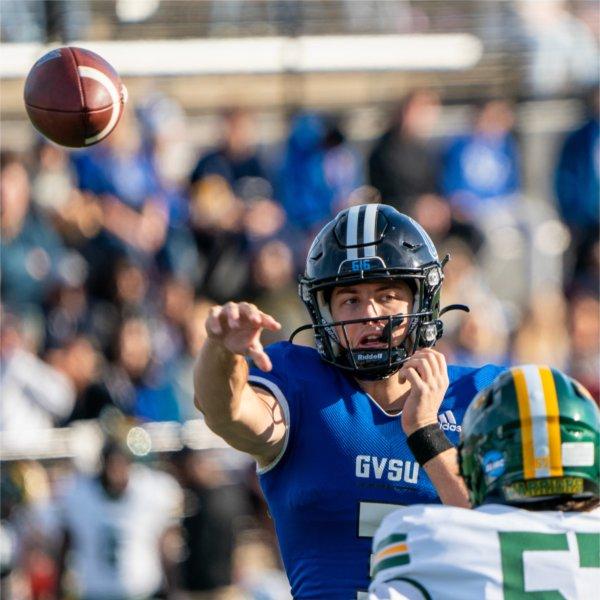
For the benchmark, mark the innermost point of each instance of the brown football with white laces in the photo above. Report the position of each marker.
(74, 97)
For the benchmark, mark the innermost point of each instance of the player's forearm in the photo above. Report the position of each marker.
(443, 472)
(220, 377)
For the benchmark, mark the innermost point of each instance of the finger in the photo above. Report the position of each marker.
(438, 362)
(412, 376)
(442, 366)
(429, 357)
(424, 369)
(260, 357)
(232, 313)
(268, 322)
(250, 313)
(213, 324)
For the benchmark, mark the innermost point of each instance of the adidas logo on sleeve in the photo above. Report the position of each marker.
(448, 422)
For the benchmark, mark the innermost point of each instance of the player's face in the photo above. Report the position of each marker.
(366, 300)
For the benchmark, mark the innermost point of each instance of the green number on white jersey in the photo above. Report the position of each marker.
(513, 545)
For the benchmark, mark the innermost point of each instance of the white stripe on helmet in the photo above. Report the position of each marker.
(537, 410)
(369, 229)
(352, 232)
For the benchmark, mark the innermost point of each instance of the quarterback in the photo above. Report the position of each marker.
(344, 433)
(529, 453)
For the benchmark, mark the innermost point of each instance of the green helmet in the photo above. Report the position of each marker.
(531, 439)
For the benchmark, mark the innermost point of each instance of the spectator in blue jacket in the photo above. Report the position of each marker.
(481, 168)
(304, 191)
(320, 171)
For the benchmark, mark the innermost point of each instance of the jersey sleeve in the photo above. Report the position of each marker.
(279, 383)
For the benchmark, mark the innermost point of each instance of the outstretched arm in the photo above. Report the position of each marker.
(248, 419)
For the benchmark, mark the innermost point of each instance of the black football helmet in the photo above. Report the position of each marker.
(373, 242)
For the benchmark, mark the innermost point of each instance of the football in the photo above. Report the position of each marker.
(74, 97)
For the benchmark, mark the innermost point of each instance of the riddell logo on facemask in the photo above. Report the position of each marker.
(448, 422)
(370, 356)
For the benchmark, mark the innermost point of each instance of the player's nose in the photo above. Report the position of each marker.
(372, 309)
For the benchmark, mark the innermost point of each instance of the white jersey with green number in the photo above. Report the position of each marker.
(115, 542)
(494, 552)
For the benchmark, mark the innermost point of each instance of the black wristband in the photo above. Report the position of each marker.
(427, 442)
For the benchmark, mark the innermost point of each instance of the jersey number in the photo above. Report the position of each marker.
(514, 543)
(110, 546)
(370, 515)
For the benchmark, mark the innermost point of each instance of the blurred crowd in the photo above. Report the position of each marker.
(112, 256)
(187, 525)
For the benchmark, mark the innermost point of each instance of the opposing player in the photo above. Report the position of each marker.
(115, 528)
(345, 433)
(529, 454)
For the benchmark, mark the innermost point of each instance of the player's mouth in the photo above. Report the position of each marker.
(372, 340)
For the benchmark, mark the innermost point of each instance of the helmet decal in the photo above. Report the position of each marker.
(493, 465)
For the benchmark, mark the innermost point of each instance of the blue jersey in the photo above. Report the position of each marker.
(344, 466)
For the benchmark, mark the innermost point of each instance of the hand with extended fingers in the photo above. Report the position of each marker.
(237, 327)
(427, 373)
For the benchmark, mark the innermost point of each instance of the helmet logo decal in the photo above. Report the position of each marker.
(540, 428)
(493, 465)
(361, 226)
(361, 264)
